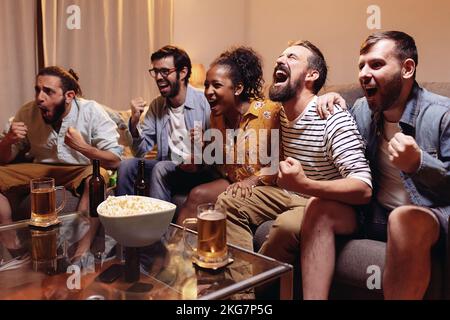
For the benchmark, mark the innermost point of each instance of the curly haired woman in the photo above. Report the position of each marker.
(233, 87)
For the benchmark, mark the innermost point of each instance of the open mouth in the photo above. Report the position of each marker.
(212, 104)
(43, 110)
(280, 75)
(163, 85)
(370, 92)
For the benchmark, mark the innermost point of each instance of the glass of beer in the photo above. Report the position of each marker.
(211, 251)
(44, 249)
(43, 202)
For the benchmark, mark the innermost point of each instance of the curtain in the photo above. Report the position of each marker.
(18, 62)
(108, 43)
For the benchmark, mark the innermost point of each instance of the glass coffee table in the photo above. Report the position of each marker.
(77, 260)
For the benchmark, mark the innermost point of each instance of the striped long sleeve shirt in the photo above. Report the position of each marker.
(328, 149)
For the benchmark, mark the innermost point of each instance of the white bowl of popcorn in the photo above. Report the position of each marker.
(135, 221)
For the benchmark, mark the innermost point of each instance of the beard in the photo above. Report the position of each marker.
(285, 92)
(389, 96)
(58, 112)
(174, 88)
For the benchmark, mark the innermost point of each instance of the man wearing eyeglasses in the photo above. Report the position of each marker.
(168, 123)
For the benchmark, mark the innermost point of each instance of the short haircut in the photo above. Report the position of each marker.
(316, 62)
(180, 58)
(405, 46)
(69, 79)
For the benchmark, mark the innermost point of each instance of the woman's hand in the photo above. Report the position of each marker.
(244, 187)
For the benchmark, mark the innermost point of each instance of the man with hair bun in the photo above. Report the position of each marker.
(61, 133)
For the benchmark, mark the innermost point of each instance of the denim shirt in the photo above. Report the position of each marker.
(155, 127)
(427, 119)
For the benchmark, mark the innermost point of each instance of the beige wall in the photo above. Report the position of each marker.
(206, 27)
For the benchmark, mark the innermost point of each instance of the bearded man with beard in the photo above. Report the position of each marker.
(61, 132)
(168, 123)
(407, 131)
(325, 159)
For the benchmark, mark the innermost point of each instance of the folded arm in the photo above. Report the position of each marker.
(349, 190)
(75, 140)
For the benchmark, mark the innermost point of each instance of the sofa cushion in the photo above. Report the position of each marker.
(353, 257)
(261, 234)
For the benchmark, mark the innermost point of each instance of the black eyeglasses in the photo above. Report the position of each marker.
(163, 72)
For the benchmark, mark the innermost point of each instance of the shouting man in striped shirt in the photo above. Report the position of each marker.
(325, 159)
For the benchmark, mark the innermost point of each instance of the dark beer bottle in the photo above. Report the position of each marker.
(141, 187)
(96, 189)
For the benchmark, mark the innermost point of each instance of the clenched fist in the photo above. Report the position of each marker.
(75, 140)
(16, 133)
(404, 153)
(291, 175)
(196, 134)
(137, 107)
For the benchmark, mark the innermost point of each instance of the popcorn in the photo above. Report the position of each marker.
(130, 205)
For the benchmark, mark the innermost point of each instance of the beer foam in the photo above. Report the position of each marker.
(211, 215)
(130, 205)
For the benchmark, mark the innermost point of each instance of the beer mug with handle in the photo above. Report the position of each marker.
(43, 202)
(211, 251)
